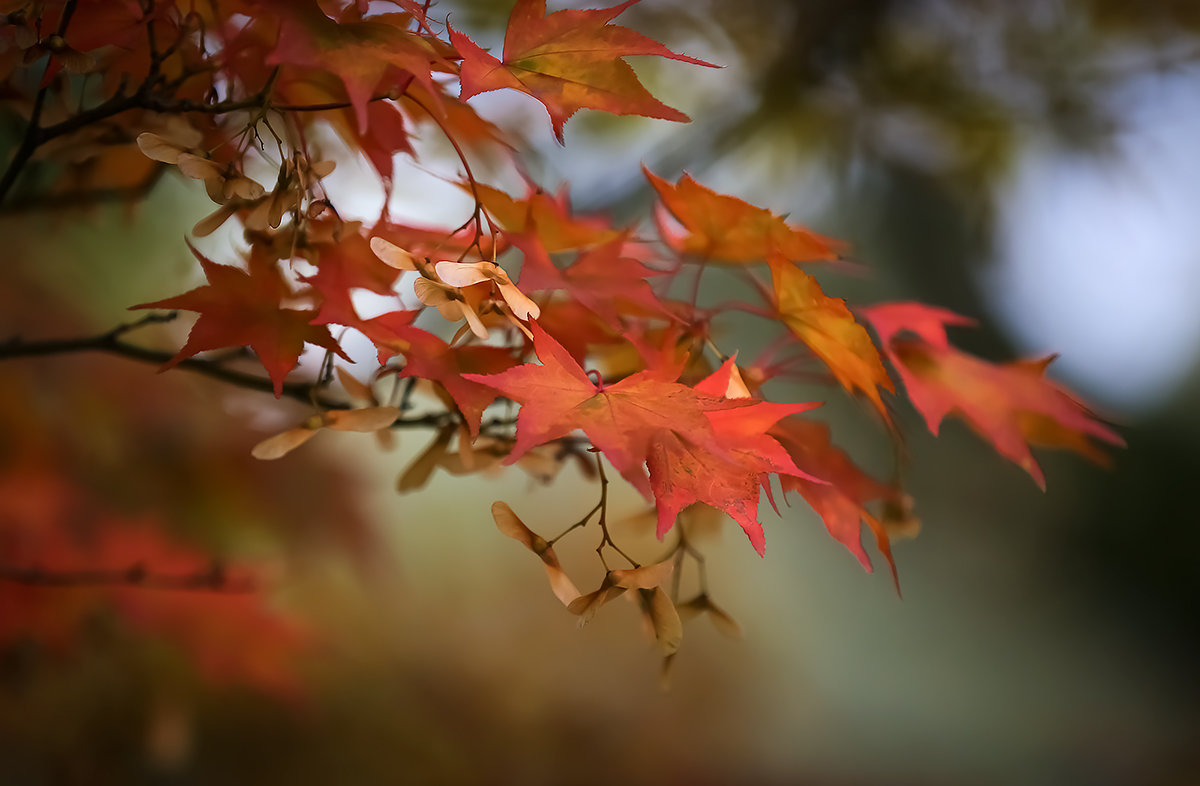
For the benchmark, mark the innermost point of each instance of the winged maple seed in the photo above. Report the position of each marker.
(512, 526)
(365, 420)
(233, 191)
(445, 284)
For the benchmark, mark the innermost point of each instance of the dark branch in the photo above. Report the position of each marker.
(32, 137)
(110, 342)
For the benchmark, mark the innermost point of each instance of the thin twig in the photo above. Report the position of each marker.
(605, 536)
(471, 182)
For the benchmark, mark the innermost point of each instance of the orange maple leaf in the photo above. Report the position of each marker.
(569, 60)
(1012, 405)
(830, 331)
(244, 308)
(722, 228)
(542, 217)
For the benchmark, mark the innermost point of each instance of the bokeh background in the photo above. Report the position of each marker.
(1030, 164)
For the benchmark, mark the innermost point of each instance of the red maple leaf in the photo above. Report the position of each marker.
(620, 419)
(245, 308)
(601, 279)
(348, 264)
(826, 325)
(569, 60)
(726, 470)
(840, 500)
(1012, 405)
(360, 52)
(428, 357)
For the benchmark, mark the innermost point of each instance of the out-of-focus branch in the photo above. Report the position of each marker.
(213, 579)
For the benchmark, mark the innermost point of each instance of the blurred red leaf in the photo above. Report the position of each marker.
(1011, 405)
(568, 60)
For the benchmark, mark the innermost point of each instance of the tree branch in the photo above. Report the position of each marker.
(32, 137)
(110, 342)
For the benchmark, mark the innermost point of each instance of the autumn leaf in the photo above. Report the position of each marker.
(244, 308)
(826, 325)
(569, 60)
(621, 419)
(428, 357)
(602, 279)
(344, 266)
(726, 470)
(360, 52)
(723, 228)
(841, 499)
(541, 217)
(1011, 405)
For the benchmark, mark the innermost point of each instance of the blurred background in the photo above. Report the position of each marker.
(1029, 164)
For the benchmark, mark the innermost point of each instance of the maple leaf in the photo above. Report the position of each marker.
(542, 217)
(726, 470)
(387, 135)
(341, 267)
(541, 224)
(428, 357)
(600, 279)
(1012, 405)
(723, 228)
(830, 331)
(360, 53)
(840, 500)
(244, 308)
(621, 419)
(569, 60)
